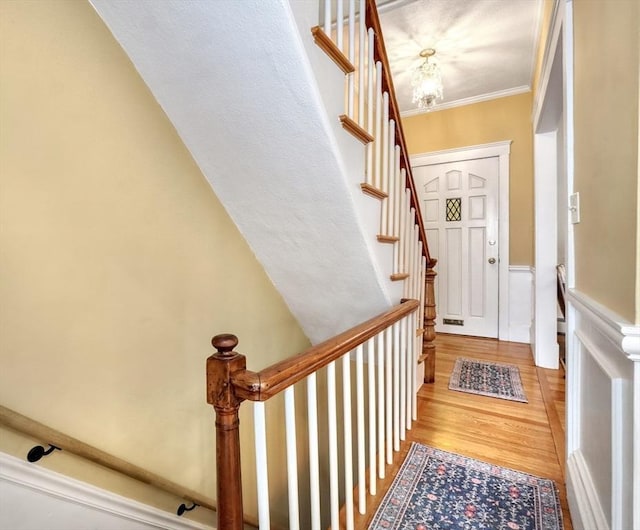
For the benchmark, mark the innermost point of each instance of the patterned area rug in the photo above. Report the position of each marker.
(437, 490)
(487, 379)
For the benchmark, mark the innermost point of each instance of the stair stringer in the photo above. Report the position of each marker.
(235, 81)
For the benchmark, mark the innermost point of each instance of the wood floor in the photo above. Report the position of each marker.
(528, 437)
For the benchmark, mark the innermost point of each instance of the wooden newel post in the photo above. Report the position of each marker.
(220, 394)
(428, 345)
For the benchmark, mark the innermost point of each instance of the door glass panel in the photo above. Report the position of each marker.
(454, 209)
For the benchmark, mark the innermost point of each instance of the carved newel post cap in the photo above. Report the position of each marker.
(224, 343)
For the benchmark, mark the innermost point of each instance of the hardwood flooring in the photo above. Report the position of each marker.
(528, 437)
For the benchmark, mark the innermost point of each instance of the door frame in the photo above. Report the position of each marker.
(554, 98)
(502, 150)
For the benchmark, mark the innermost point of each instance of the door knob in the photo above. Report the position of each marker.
(492, 260)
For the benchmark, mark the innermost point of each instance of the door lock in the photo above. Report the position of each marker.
(492, 260)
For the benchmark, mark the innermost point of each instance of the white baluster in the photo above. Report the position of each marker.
(381, 400)
(327, 17)
(362, 43)
(396, 386)
(262, 474)
(399, 194)
(398, 202)
(409, 261)
(389, 403)
(385, 162)
(371, 365)
(292, 458)
(413, 368)
(333, 443)
(314, 468)
(391, 161)
(340, 25)
(402, 248)
(411, 363)
(352, 58)
(378, 127)
(403, 376)
(348, 440)
(371, 178)
(361, 431)
(411, 341)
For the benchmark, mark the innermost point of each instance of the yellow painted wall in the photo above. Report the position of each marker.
(496, 120)
(606, 152)
(118, 262)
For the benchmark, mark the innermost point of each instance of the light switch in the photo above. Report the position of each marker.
(574, 207)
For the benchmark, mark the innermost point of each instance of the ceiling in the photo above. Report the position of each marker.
(485, 48)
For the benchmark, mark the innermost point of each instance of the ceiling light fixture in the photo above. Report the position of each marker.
(427, 81)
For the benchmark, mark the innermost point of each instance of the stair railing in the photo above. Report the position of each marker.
(356, 44)
(375, 413)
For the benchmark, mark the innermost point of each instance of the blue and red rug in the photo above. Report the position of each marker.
(487, 379)
(438, 490)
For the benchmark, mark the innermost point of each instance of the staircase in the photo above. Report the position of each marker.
(296, 128)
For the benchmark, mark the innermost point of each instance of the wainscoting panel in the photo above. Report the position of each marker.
(602, 376)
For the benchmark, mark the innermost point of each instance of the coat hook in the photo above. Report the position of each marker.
(183, 508)
(37, 452)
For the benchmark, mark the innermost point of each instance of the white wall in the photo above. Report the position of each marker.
(236, 82)
(34, 498)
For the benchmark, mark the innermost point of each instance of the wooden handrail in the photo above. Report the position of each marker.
(39, 431)
(260, 386)
(380, 54)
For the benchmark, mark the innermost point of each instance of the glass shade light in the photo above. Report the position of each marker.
(427, 82)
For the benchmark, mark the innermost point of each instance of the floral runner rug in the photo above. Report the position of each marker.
(487, 379)
(438, 490)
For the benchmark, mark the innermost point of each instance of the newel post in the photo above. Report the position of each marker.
(428, 345)
(220, 394)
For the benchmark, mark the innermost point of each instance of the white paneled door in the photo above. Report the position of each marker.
(460, 211)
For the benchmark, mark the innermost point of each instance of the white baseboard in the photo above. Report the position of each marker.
(584, 503)
(35, 497)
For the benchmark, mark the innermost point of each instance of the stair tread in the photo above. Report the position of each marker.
(325, 43)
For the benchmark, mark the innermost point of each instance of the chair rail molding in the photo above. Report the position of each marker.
(624, 335)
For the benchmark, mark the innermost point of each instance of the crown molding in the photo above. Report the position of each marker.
(470, 101)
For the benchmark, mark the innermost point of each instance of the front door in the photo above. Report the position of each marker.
(460, 211)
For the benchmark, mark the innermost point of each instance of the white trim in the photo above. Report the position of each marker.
(547, 62)
(69, 490)
(470, 100)
(584, 503)
(545, 340)
(520, 303)
(623, 334)
(502, 150)
(537, 33)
